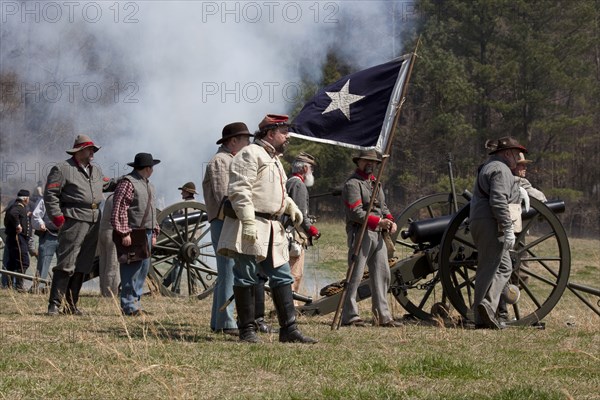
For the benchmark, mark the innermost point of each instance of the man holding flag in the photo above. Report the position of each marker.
(361, 111)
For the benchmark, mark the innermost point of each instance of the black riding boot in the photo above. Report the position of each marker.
(286, 313)
(60, 281)
(244, 304)
(259, 308)
(72, 295)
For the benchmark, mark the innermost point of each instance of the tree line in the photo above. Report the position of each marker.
(487, 69)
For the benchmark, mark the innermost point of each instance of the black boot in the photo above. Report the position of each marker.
(286, 313)
(259, 308)
(60, 281)
(244, 304)
(72, 295)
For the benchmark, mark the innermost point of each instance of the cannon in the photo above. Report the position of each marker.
(438, 270)
(183, 260)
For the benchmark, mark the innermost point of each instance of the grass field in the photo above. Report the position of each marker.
(172, 353)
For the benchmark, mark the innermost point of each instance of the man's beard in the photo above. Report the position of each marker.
(281, 148)
(368, 170)
(309, 180)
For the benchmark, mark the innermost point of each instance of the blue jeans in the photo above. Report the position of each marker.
(133, 277)
(46, 250)
(223, 285)
(246, 268)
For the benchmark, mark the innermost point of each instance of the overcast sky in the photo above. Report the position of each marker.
(184, 69)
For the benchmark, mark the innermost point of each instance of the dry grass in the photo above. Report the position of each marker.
(173, 354)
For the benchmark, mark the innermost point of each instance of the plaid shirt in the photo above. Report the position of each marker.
(123, 197)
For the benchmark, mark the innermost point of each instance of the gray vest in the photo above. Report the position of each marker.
(143, 194)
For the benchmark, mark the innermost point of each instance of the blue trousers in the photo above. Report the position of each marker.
(133, 277)
(246, 269)
(224, 285)
(46, 250)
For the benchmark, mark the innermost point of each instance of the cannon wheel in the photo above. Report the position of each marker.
(542, 254)
(422, 297)
(183, 260)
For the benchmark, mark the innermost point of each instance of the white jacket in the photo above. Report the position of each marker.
(256, 185)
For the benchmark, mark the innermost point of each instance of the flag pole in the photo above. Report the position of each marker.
(335, 324)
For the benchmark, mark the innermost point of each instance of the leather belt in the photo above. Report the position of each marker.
(228, 211)
(272, 217)
(92, 206)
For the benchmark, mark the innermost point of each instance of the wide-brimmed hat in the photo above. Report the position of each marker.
(143, 160)
(504, 143)
(271, 121)
(232, 130)
(523, 160)
(82, 142)
(371, 155)
(189, 187)
(306, 158)
(23, 193)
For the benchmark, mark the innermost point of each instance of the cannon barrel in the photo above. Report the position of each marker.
(432, 230)
(192, 218)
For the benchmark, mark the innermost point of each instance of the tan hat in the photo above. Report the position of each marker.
(306, 158)
(82, 142)
(271, 121)
(371, 155)
(523, 160)
(189, 187)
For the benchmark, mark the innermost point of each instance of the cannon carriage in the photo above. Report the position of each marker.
(437, 275)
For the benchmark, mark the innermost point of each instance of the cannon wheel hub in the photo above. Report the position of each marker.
(189, 252)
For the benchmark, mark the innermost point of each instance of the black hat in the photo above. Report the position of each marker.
(371, 155)
(189, 187)
(504, 143)
(234, 129)
(23, 193)
(143, 160)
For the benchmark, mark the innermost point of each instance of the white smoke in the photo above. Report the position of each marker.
(172, 74)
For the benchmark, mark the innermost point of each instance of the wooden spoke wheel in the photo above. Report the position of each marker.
(183, 260)
(541, 265)
(422, 297)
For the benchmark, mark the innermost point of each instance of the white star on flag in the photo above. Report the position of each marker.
(341, 100)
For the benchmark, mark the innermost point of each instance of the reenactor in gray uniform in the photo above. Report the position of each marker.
(356, 195)
(301, 237)
(72, 196)
(492, 228)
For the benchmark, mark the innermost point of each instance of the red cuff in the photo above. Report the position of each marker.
(59, 221)
(390, 217)
(313, 231)
(372, 222)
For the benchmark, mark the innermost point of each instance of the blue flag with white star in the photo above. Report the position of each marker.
(358, 110)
